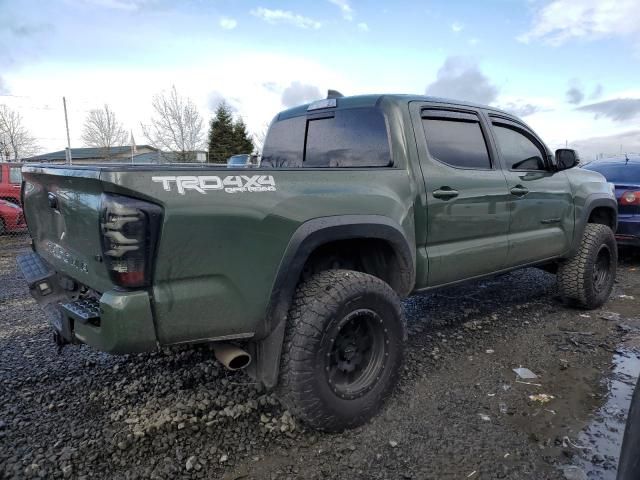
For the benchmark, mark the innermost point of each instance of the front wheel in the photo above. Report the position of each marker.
(586, 279)
(343, 349)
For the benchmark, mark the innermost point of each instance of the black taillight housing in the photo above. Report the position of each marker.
(129, 230)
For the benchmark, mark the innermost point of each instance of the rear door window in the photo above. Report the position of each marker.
(456, 139)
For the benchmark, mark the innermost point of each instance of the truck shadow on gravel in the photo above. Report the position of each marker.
(458, 411)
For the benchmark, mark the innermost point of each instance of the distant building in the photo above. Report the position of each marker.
(143, 154)
(196, 156)
(92, 155)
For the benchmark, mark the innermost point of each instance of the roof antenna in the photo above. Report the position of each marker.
(334, 94)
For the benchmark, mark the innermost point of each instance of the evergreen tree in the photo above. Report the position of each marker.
(221, 135)
(227, 137)
(242, 140)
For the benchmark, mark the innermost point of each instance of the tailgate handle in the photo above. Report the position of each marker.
(53, 201)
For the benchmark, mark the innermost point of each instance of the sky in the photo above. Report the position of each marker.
(569, 68)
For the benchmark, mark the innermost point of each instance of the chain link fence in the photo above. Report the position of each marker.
(11, 245)
(14, 238)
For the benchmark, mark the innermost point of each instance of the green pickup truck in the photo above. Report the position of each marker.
(295, 270)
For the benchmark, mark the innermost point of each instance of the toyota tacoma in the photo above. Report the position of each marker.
(296, 269)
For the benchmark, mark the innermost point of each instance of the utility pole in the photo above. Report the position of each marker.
(66, 121)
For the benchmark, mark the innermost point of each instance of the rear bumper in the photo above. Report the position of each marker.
(123, 322)
(628, 232)
(126, 324)
(628, 240)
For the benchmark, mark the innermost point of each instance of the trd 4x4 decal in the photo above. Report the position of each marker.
(230, 183)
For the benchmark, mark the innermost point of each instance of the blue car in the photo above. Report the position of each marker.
(624, 173)
(242, 160)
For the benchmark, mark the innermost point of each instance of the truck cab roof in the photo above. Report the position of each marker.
(371, 100)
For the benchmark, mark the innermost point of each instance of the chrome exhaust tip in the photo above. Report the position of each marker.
(232, 357)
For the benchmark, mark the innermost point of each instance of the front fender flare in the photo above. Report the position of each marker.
(582, 215)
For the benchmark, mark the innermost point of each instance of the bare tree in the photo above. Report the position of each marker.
(103, 130)
(176, 125)
(16, 142)
(260, 136)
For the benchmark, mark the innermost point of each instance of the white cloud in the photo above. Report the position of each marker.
(228, 23)
(363, 27)
(285, 16)
(345, 7)
(525, 106)
(298, 93)
(128, 90)
(4, 90)
(617, 109)
(473, 42)
(562, 20)
(610, 145)
(457, 27)
(460, 78)
(128, 5)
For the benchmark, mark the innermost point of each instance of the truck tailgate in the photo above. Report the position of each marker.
(62, 210)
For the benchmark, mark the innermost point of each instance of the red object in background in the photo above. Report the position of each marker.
(11, 218)
(10, 182)
(630, 198)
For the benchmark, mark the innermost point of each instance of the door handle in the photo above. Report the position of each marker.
(445, 193)
(519, 191)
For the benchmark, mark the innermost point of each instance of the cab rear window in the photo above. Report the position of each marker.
(343, 138)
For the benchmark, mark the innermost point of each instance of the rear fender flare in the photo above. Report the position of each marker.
(308, 237)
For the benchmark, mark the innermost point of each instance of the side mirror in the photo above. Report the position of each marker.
(566, 158)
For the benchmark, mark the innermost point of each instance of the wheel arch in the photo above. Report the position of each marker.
(311, 237)
(598, 208)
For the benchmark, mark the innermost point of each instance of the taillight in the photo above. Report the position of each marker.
(630, 198)
(129, 230)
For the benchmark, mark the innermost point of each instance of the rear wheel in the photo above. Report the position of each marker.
(343, 349)
(586, 279)
(3, 228)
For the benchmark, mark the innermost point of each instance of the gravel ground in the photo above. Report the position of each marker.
(458, 412)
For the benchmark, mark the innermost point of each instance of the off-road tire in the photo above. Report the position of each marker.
(3, 229)
(578, 277)
(321, 312)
